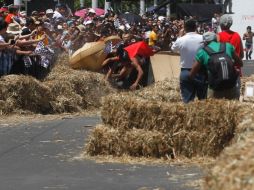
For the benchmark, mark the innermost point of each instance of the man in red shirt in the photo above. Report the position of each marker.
(13, 11)
(233, 38)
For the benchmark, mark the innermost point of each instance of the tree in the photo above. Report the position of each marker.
(88, 3)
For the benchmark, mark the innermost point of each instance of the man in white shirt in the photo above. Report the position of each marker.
(187, 46)
(59, 13)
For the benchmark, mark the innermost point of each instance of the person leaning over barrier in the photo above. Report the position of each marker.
(222, 82)
(133, 62)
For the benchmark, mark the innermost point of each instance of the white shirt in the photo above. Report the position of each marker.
(2, 39)
(57, 15)
(214, 23)
(187, 46)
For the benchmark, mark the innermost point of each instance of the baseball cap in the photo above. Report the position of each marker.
(88, 22)
(3, 9)
(61, 5)
(121, 27)
(59, 27)
(209, 36)
(49, 11)
(226, 20)
(91, 11)
(161, 18)
(35, 13)
(23, 13)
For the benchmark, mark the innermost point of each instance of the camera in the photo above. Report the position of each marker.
(12, 42)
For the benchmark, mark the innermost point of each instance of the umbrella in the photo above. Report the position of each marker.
(153, 9)
(83, 12)
(131, 18)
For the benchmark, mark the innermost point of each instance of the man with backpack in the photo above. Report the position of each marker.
(218, 59)
(232, 37)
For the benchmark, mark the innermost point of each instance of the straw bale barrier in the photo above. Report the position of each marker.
(25, 93)
(201, 128)
(63, 90)
(243, 82)
(78, 91)
(75, 90)
(234, 169)
(136, 142)
(164, 91)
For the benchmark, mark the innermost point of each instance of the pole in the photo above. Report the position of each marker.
(26, 6)
(17, 2)
(107, 5)
(168, 10)
(94, 4)
(142, 7)
(81, 3)
(155, 3)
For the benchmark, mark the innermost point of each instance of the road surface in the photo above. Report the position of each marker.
(38, 156)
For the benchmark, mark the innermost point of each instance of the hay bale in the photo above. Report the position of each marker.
(19, 92)
(164, 91)
(137, 142)
(78, 89)
(199, 128)
(234, 169)
(244, 80)
(64, 90)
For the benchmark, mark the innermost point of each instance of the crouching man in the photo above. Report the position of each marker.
(218, 59)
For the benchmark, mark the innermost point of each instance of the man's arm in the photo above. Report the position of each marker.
(121, 73)
(244, 36)
(140, 73)
(194, 70)
(109, 73)
(241, 50)
(237, 59)
(106, 61)
(176, 46)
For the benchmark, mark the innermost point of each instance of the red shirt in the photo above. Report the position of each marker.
(9, 17)
(139, 48)
(234, 39)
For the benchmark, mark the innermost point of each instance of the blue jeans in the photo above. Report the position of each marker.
(192, 88)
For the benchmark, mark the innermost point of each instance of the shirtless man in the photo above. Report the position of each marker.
(248, 36)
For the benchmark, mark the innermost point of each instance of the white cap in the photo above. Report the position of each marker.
(59, 27)
(226, 20)
(161, 18)
(23, 13)
(127, 26)
(121, 27)
(88, 22)
(209, 36)
(49, 11)
(91, 11)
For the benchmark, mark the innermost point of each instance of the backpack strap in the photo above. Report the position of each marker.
(222, 47)
(209, 50)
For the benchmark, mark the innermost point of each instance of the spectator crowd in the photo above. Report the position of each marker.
(30, 43)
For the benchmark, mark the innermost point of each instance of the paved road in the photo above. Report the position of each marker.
(248, 68)
(37, 156)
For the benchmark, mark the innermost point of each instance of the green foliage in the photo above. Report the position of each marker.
(87, 3)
